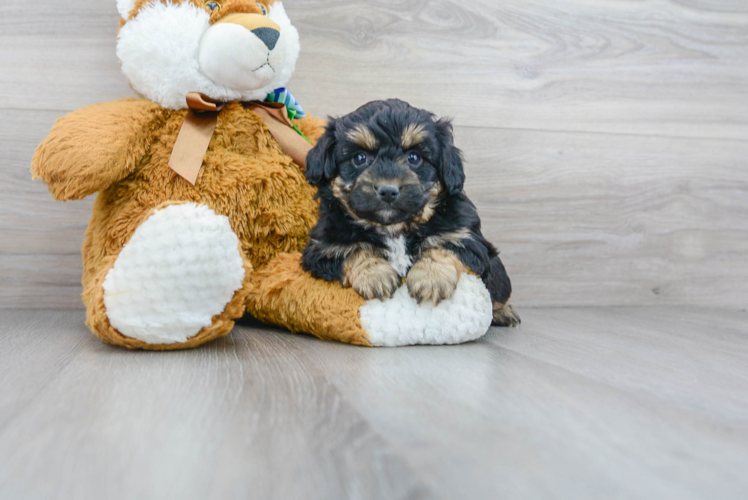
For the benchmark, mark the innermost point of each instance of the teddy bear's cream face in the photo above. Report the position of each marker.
(230, 50)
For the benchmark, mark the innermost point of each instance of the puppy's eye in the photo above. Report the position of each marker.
(213, 6)
(263, 9)
(360, 160)
(415, 159)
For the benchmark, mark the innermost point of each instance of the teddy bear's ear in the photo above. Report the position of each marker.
(320, 162)
(125, 7)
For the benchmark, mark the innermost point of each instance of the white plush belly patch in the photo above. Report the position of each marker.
(180, 269)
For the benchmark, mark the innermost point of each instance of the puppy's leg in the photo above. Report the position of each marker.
(498, 284)
(435, 276)
(370, 275)
(505, 315)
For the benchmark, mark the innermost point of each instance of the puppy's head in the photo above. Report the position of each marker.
(387, 163)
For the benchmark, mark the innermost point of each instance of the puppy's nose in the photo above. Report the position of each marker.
(269, 36)
(388, 193)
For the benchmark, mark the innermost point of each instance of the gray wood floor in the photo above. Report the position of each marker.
(579, 403)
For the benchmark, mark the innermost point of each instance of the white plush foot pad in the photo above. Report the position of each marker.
(181, 268)
(400, 321)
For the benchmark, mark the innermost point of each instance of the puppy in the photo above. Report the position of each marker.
(392, 206)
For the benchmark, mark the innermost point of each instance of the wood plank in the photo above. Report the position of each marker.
(36, 347)
(243, 417)
(31, 221)
(600, 403)
(675, 69)
(625, 67)
(582, 219)
(60, 55)
(40, 281)
(587, 219)
(693, 359)
(578, 403)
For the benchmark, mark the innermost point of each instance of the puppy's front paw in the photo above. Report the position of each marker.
(434, 277)
(371, 276)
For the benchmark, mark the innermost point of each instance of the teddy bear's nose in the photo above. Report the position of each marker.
(262, 27)
(269, 36)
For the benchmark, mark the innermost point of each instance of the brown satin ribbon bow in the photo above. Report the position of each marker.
(200, 124)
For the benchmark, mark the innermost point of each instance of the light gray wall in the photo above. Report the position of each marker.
(607, 142)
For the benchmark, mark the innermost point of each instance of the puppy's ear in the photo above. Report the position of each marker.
(320, 162)
(450, 169)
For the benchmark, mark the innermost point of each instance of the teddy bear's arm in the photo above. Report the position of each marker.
(312, 127)
(93, 147)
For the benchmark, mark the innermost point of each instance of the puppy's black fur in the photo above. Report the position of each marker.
(390, 172)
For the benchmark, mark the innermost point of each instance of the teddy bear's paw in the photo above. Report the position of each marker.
(179, 270)
(400, 321)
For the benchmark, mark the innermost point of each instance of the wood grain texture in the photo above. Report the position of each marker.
(594, 219)
(581, 219)
(654, 68)
(578, 403)
(606, 141)
(666, 68)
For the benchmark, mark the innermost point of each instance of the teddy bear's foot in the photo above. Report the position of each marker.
(284, 294)
(175, 279)
(401, 321)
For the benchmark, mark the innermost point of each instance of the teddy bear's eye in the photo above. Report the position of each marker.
(263, 9)
(212, 6)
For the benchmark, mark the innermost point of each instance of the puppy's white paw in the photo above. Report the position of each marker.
(181, 268)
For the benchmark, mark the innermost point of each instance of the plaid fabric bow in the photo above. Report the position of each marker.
(283, 96)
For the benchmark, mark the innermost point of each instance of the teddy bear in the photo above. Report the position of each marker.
(203, 206)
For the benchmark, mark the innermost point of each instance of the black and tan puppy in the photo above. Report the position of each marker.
(392, 206)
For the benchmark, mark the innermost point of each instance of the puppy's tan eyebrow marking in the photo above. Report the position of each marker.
(413, 135)
(363, 137)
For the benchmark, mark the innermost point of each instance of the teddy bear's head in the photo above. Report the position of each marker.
(228, 50)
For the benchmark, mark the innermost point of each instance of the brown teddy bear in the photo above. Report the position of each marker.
(203, 205)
